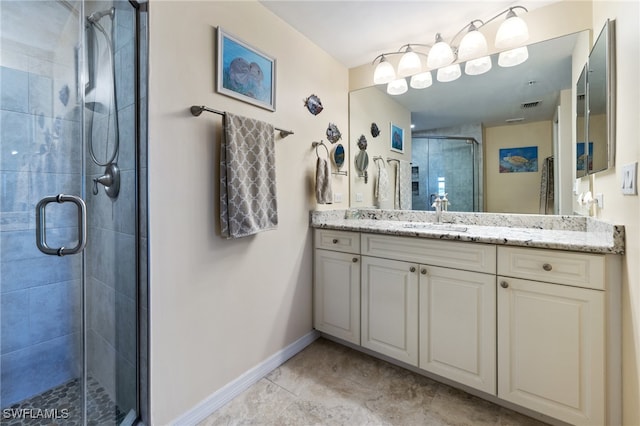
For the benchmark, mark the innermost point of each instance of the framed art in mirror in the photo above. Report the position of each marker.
(397, 138)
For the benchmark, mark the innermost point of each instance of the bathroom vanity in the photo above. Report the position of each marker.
(523, 308)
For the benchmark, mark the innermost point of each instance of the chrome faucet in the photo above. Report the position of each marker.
(437, 204)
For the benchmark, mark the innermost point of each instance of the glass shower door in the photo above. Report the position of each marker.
(41, 155)
(69, 322)
(445, 165)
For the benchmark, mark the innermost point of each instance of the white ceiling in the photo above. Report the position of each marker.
(355, 32)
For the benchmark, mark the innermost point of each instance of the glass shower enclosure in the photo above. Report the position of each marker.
(72, 232)
(446, 165)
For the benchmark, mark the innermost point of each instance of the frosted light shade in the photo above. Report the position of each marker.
(409, 64)
(397, 87)
(512, 32)
(421, 81)
(440, 55)
(478, 66)
(450, 73)
(384, 73)
(513, 57)
(472, 45)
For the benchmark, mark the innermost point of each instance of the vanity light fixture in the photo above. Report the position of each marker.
(447, 57)
(513, 57)
(472, 45)
(409, 63)
(384, 72)
(449, 73)
(440, 54)
(397, 87)
(422, 80)
(477, 66)
(513, 31)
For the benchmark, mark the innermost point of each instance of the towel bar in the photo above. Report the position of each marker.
(317, 144)
(321, 143)
(197, 110)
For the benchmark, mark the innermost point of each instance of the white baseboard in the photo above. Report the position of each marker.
(242, 383)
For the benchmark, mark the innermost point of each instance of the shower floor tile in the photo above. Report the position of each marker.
(62, 406)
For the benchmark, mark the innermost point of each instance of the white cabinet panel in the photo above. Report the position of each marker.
(390, 308)
(336, 294)
(551, 349)
(457, 326)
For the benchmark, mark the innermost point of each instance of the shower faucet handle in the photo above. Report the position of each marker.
(110, 180)
(105, 180)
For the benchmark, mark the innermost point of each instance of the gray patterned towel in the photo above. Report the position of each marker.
(247, 177)
(403, 195)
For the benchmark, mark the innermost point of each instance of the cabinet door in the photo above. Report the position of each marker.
(337, 294)
(551, 349)
(457, 326)
(390, 308)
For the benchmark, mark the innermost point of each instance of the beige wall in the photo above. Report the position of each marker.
(220, 307)
(367, 106)
(519, 192)
(617, 207)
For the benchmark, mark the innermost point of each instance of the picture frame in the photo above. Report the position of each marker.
(245, 72)
(397, 138)
(518, 159)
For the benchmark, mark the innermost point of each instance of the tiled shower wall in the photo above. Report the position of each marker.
(40, 155)
(111, 252)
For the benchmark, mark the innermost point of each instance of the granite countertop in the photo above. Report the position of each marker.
(573, 233)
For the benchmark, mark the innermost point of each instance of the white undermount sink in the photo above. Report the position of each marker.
(436, 226)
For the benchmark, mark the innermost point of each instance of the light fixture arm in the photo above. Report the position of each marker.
(507, 11)
(470, 26)
(402, 50)
(408, 46)
(382, 55)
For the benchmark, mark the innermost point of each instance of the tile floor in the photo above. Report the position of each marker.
(65, 403)
(329, 384)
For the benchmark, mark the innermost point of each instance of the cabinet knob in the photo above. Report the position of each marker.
(547, 267)
(355, 260)
(504, 284)
(423, 271)
(335, 241)
(412, 269)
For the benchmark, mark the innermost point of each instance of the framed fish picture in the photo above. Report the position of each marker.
(244, 72)
(518, 160)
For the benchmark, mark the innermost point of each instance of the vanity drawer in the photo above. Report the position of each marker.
(554, 266)
(449, 254)
(344, 241)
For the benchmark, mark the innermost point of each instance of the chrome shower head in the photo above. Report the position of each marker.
(96, 16)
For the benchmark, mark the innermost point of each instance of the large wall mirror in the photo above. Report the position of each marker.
(483, 139)
(596, 150)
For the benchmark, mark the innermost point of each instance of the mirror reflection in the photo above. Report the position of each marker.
(599, 114)
(482, 139)
(582, 148)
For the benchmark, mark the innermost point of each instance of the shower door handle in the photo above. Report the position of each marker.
(41, 225)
